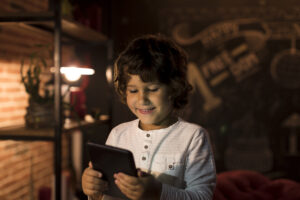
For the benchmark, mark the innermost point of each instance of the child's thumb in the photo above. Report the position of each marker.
(90, 164)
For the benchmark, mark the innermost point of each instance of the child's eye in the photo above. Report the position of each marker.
(132, 91)
(153, 89)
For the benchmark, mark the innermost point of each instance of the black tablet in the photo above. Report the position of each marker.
(109, 160)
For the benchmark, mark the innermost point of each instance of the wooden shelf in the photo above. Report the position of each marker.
(25, 17)
(22, 133)
(45, 134)
(70, 28)
(74, 30)
(78, 31)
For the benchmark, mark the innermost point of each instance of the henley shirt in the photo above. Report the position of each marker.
(179, 156)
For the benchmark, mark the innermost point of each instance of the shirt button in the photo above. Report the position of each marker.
(148, 135)
(143, 158)
(170, 166)
(146, 146)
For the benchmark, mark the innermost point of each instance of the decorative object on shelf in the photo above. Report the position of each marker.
(66, 9)
(40, 110)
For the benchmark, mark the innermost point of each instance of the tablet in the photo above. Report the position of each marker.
(109, 160)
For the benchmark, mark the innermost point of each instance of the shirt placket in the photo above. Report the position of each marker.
(147, 141)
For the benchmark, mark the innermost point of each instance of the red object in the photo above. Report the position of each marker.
(45, 193)
(78, 98)
(250, 185)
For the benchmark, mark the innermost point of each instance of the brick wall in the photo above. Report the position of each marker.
(25, 166)
(24, 5)
(13, 98)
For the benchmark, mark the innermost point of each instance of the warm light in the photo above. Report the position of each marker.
(72, 76)
(78, 70)
(73, 73)
(109, 74)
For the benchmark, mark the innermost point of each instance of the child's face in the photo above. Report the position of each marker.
(149, 102)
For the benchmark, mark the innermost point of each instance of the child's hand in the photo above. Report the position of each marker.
(92, 184)
(145, 186)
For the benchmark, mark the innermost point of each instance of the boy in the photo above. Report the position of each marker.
(174, 156)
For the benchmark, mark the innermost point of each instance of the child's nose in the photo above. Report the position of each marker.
(143, 96)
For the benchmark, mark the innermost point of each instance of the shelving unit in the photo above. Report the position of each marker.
(70, 28)
(63, 29)
(22, 133)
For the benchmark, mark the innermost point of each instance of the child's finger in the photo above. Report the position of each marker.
(128, 182)
(126, 178)
(127, 190)
(95, 181)
(128, 186)
(91, 172)
(97, 186)
(90, 164)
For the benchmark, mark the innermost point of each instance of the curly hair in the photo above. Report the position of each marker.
(154, 58)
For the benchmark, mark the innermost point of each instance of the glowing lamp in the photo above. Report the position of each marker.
(74, 73)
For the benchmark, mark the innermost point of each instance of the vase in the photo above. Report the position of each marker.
(39, 115)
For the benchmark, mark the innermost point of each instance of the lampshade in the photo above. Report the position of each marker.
(73, 73)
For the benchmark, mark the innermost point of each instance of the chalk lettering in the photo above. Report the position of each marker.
(196, 79)
(245, 66)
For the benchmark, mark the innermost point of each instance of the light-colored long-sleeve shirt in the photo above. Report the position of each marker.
(179, 156)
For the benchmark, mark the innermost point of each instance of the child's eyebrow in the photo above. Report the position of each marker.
(149, 84)
(153, 83)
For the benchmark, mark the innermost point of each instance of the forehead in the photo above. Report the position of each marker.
(135, 80)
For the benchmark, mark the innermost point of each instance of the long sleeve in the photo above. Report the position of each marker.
(200, 176)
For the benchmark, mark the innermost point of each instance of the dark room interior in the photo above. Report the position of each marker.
(235, 49)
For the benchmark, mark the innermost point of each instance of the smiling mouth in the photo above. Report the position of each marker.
(146, 111)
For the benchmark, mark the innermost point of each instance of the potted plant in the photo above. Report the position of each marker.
(40, 110)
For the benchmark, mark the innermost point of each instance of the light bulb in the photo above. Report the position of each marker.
(73, 73)
(74, 76)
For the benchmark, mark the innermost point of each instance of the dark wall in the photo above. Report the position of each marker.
(244, 68)
(132, 18)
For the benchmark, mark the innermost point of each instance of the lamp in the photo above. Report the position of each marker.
(73, 73)
(73, 89)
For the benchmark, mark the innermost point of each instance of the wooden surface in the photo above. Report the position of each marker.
(77, 31)
(47, 134)
(70, 28)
